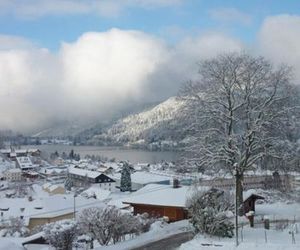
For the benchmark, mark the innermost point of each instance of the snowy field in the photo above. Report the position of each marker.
(253, 238)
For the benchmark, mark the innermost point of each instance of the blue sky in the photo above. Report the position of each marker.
(88, 59)
(170, 20)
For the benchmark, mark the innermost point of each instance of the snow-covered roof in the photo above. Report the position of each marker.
(33, 237)
(83, 172)
(25, 162)
(160, 195)
(100, 194)
(47, 185)
(14, 170)
(18, 151)
(248, 193)
(144, 177)
(54, 187)
(46, 207)
(114, 165)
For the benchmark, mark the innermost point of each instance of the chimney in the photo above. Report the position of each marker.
(175, 183)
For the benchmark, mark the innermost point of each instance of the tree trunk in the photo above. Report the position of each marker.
(239, 193)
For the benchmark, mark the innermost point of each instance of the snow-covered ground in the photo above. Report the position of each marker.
(253, 238)
(158, 231)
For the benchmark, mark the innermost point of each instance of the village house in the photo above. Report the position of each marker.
(30, 174)
(25, 163)
(83, 177)
(13, 153)
(272, 181)
(13, 174)
(37, 212)
(170, 201)
(160, 201)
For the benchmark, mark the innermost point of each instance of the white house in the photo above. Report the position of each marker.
(82, 177)
(13, 174)
(24, 163)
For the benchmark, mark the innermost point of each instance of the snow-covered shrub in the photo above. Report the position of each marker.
(61, 234)
(15, 227)
(211, 212)
(110, 224)
(145, 222)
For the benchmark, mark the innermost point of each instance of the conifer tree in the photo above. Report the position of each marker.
(125, 184)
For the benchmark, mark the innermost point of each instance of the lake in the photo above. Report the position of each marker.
(132, 155)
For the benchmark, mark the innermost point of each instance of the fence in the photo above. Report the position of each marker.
(271, 231)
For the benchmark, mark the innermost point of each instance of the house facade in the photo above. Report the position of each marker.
(157, 211)
(14, 174)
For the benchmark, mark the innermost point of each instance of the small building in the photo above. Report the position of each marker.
(249, 200)
(13, 174)
(30, 174)
(54, 188)
(265, 181)
(84, 177)
(160, 201)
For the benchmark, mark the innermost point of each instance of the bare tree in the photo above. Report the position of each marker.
(236, 105)
(61, 234)
(110, 224)
(99, 223)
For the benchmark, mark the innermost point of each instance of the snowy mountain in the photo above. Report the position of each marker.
(155, 128)
(63, 129)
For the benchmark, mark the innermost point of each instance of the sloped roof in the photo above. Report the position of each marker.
(83, 172)
(160, 195)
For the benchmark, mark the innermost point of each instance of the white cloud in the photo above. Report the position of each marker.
(181, 63)
(101, 72)
(93, 76)
(97, 75)
(107, 8)
(14, 42)
(108, 68)
(279, 38)
(230, 15)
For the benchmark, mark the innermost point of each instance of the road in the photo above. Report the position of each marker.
(169, 243)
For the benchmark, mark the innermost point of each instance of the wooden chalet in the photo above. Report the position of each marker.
(160, 201)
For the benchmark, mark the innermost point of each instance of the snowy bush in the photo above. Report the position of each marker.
(98, 223)
(61, 234)
(211, 212)
(15, 227)
(145, 222)
(109, 224)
